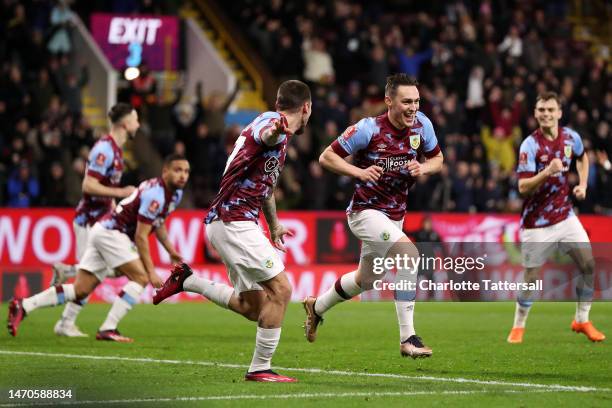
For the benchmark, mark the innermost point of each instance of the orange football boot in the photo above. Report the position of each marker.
(589, 330)
(516, 335)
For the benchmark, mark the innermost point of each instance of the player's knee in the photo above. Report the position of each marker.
(252, 313)
(587, 266)
(531, 275)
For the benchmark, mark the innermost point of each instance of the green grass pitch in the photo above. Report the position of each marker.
(206, 351)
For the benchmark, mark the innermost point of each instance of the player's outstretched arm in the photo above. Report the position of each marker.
(331, 161)
(162, 236)
(92, 186)
(141, 238)
(528, 186)
(272, 134)
(582, 167)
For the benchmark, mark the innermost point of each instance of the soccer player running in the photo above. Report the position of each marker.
(100, 187)
(261, 289)
(386, 150)
(547, 219)
(120, 240)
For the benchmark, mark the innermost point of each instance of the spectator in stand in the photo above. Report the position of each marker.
(143, 88)
(318, 67)
(55, 194)
(62, 21)
(23, 187)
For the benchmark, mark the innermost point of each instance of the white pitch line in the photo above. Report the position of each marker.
(556, 387)
(271, 396)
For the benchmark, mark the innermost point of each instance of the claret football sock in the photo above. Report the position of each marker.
(216, 292)
(55, 295)
(344, 289)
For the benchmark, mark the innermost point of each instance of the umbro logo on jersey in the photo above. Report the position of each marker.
(381, 146)
(544, 158)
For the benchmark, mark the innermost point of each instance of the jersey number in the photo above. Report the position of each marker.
(237, 146)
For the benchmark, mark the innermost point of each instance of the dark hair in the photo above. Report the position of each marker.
(396, 80)
(547, 96)
(291, 95)
(173, 157)
(119, 111)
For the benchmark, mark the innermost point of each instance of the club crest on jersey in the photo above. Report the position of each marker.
(415, 141)
(568, 151)
(349, 132)
(100, 159)
(154, 206)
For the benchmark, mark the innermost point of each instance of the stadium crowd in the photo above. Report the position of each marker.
(480, 65)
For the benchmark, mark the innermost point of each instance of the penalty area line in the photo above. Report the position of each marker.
(552, 387)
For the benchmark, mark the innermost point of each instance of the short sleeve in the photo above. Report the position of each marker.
(527, 154)
(577, 147)
(100, 159)
(355, 137)
(151, 204)
(430, 141)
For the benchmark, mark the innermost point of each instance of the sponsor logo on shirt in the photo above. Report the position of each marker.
(271, 165)
(393, 163)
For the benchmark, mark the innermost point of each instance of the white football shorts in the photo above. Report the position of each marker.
(537, 244)
(376, 231)
(107, 249)
(246, 252)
